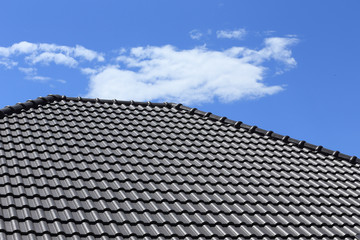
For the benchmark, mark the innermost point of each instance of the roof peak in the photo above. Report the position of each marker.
(8, 110)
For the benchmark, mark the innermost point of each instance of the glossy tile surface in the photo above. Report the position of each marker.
(95, 170)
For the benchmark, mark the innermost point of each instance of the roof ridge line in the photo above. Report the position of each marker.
(263, 132)
(32, 103)
(8, 110)
(115, 101)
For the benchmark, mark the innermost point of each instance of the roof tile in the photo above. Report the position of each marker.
(85, 168)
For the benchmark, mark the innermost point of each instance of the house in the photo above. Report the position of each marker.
(77, 168)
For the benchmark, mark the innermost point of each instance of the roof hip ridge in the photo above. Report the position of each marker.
(8, 110)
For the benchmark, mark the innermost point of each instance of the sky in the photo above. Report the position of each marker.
(287, 66)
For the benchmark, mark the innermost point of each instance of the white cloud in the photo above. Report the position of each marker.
(28, 71)
(23, 48)
(8, 63)
(49, 53)
(87, 54)
(88, 71)
(188, 76)
(61, 81)
(17, 48)
(48, 57)
(31, 74)
(276, 48)
(161, 73)
(4, 52)
(236, 34)
(38, 78)
(195, 34)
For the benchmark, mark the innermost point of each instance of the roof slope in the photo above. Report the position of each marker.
(90, 168)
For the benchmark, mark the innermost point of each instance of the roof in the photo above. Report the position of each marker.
(109, 169)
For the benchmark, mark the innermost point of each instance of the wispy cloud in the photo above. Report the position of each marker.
(28, 70)
(45, 53)
(61, 81)
(235, 34)
(195, 34)
(276, 48)
(31, 74)
(7, 63)
(194, 75)
(39, 78)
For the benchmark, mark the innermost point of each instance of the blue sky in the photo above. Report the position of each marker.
(287, 66)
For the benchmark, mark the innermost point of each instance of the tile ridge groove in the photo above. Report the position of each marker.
(171, 223)
(271, 134)
(164, 236)
(233, 192)
(144, 190)
(153, 173)
(180, 212)
(170, 165)
(166, 165)
(172, 201)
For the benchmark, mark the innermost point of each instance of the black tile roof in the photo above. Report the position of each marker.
(107, 169)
